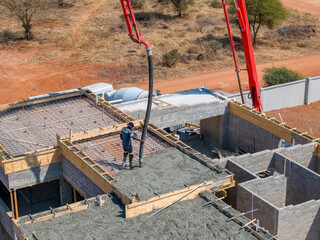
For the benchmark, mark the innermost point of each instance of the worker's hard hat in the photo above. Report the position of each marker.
(130, 124)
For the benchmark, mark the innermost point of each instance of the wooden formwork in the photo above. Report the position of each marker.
(33, 159)
(90, 169)
(271, 125)
(6, 107)
(138, 208)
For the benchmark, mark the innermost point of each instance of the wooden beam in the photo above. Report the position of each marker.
(74, 194)
(101, 131)
(75, 207)
(123, 116)
(163, 200)
(36, 159)
(317, 150)
(6, 107)
(16, 203)
(273, 126)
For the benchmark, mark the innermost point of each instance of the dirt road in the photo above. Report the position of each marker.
(308, 6)
(226, 80)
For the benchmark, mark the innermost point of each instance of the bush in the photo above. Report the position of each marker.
(138, 3)
(274, 76)
(216, 3)
(214, 45)
(170, 59)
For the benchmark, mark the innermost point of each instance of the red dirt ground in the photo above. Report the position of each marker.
(305, 118)
(308, 6)
(226, 80)
(19, 79)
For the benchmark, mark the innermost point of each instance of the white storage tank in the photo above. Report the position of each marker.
(128, 94)
(103, 90)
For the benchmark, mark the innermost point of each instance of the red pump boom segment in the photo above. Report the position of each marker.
(248, 51)
(246, 43)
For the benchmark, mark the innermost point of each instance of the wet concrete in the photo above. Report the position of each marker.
(184, 220)
(164, 172)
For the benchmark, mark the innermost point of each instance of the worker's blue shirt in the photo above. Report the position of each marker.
(126, 134)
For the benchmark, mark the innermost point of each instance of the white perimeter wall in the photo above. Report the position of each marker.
(286, 95)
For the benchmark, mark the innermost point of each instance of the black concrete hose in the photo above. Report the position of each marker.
(148, 112)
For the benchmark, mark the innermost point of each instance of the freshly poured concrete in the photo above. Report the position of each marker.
(184, 220)
(164, 172)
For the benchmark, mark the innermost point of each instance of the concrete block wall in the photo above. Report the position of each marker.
(175, 115)
(256, 162)
(210, 128)
(77, 179)
(271, 189)
(300, 222)
(34, 175)
(240, 175)
(266, 213)
(303, 184)
(6, 218)
(249, 137)
(302, 154)
(279, 162)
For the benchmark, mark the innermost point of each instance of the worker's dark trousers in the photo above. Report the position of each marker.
(127, 150)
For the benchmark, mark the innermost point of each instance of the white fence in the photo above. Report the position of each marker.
(286, 95)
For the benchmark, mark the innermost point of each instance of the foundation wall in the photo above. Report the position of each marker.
(279, 163)
(4, 178)
(248, 137)
(240, 175)
(5, 218)
(303, 184)
(172, 116)
(34, 175)
(304, 218)
(271, 189)
(211, 129)
(77, 179)
(266, 213)
(256, 162)
(303, 154)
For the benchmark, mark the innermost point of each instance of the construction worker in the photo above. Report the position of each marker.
(126, 134)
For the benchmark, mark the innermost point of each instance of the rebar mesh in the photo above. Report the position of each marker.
(107, 150)
(35, 127)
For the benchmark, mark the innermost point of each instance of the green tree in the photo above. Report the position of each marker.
(24, 10)
(274, 75)
(269, 13)
(179, 5)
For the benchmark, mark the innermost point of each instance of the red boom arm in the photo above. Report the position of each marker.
(137, 38)
(248, 51)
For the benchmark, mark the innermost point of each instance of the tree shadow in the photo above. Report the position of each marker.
(225, 41)
(148, 16)
(8, 36)
(65, 5)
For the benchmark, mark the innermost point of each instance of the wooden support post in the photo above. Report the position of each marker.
(16, 203)
(12, 206)
(74, 195)
(317, 150)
